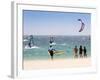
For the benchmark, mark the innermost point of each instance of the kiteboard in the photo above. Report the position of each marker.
(58, 52)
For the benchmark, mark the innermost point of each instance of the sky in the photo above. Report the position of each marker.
(55, 23)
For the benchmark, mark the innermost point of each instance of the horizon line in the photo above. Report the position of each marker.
(57, 35)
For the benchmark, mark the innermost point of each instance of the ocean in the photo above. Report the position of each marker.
(64, 43)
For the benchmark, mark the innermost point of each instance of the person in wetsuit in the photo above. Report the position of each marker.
(75, 52)
(51, 51)
(84, 50)
(31, 42)
(80, 51)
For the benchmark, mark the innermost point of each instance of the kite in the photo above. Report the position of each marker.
(82, 25)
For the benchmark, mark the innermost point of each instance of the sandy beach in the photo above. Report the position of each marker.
(56, 63)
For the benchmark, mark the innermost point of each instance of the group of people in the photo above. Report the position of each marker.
(82, 51)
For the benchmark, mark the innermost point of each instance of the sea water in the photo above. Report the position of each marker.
(64, 43)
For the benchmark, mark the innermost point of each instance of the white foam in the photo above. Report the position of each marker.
(53, 43)
(33, 47)
(63, 44)
(25, 40)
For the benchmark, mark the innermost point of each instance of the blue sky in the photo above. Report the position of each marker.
(55, 23)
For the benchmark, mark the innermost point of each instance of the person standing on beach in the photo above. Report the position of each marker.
(75, 52)
(51, 51)
(84, 50)
(80, 51)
